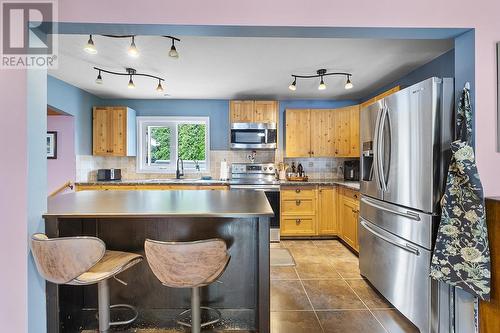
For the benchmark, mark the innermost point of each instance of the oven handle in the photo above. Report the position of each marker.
(254, 188)
(406, 246)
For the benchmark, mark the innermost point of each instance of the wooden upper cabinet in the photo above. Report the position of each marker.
(114, 131)
(241, 111)
(323, 133)
(266, 112)
(253, 111)
(298, 133)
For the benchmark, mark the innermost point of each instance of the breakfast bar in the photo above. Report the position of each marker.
(125, 219)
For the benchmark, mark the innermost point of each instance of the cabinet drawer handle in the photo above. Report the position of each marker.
(297, 191)
(297, 202)
(297, 221)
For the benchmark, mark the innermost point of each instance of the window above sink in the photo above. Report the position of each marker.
(162, 140)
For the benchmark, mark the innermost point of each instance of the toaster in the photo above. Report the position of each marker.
(109, 174)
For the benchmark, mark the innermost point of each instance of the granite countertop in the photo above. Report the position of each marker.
(160, 204)
(185, 181)
(326, 182)
(164, 181)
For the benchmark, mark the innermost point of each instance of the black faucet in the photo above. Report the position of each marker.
(179, 173)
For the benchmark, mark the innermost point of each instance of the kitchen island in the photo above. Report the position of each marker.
(124, 219)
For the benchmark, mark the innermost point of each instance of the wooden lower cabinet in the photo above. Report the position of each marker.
(349, 210)
(320, 211)
(149, 187)
(327, 211)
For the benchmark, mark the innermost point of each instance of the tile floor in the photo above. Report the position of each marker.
(325, 293)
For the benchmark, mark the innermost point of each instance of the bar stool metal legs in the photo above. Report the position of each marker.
(103, 305)
(196, 325)
(104, 308)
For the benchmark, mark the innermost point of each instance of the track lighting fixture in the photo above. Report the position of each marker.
(90, 46)
(131, 84)
(173, 51)
(130, 72)
(348, 84)
(132, 50)
(293, 85)
(321, 73)
(99, 78)
(159, 88)
(322, 85)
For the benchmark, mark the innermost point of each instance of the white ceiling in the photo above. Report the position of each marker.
(243, 67)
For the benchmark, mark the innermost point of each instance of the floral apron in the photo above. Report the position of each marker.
(461, 256)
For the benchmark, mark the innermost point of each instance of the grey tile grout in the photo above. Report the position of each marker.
(371, 312)
(308, 298)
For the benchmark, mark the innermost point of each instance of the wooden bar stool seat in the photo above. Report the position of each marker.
(189, 265)
(83, 261)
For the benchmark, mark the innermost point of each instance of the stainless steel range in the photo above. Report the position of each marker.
(259, 177)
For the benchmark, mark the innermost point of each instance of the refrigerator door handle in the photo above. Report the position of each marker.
(376, 149)
(408, 214)
(406, 246)
(380, 151)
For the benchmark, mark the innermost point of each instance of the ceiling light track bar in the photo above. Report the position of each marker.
(321, 73)
(129, 72)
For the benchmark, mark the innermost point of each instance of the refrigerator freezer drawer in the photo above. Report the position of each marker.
(415, 226)
(399, 271)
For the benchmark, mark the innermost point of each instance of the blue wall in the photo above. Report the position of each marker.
(464, 67)
(77, 102)
(442, 66)
(216, 109)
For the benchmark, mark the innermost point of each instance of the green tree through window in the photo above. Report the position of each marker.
(191, 142)
(160, 143)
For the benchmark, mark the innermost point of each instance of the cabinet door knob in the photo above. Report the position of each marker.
(355, 196)
(297, 221)
(297, 190)
(297, 202)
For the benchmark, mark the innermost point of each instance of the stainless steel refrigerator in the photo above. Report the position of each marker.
(405, 140)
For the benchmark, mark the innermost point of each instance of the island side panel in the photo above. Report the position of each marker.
(264, 275)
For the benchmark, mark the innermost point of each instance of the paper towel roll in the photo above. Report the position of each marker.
(224, 170)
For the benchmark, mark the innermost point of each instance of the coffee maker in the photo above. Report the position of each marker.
(351, 170)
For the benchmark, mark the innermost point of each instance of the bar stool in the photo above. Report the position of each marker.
(84, 261)
(189, 265)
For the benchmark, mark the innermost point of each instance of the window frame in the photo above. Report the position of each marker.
(143, 122)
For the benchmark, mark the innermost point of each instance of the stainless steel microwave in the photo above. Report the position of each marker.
(253, 136)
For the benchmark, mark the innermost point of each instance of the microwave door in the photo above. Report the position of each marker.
(370, 184)
(409, 134)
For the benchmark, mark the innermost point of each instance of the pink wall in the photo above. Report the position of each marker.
(481, 15)
(62, 169)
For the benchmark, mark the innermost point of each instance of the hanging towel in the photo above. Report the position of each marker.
(461, 256)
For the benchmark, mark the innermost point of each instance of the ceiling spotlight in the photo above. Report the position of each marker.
(322, 85)
(131, 84)
(90, 46)
(293, 86)
(132, 50)
(99, 78)
(348, 84)
(173, 51)
(159, 88)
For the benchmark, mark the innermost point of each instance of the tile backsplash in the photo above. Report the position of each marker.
(315, 168)
(87, 165)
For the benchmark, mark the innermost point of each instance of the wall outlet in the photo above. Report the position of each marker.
(310, 164)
